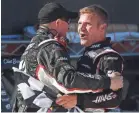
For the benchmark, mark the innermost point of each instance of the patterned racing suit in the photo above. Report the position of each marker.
(52, 57)
(101, 59)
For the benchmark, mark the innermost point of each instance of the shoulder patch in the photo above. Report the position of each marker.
(107, 51)
(111, 58)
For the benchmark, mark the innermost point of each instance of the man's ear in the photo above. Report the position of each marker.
(103, 27)
(58, 22)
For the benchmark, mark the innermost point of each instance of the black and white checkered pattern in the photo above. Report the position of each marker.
(35, 93)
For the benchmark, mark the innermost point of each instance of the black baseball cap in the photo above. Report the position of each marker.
(52, 11)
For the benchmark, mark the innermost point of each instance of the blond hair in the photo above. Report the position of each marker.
(96, 10)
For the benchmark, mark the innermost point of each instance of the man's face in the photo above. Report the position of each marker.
(63, 27)
(88, 29)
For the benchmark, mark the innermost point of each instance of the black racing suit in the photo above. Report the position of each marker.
(59, 64)
(100, 59)
(55, 59)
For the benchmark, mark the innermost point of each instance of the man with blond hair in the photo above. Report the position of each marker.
(98, 58)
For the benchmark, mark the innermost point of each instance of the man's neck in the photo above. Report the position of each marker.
(100, 39)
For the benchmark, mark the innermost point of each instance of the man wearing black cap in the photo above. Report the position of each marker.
(57, 17)
(47, 54)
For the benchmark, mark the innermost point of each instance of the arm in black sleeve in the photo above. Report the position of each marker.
(107, 98)
(66, 75)
(70, 78)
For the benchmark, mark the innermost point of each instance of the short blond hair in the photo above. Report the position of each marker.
(96, 10)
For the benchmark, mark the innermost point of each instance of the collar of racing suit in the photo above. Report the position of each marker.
(101, 44)
(51, 34)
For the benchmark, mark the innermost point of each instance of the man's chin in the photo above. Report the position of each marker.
(83, 44)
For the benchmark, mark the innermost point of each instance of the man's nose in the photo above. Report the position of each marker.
(82, 27)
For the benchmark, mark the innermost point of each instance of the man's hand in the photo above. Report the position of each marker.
(67, 101)
(116, 81)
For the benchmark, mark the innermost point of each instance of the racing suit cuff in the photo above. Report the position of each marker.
(80, 99)
(107, 83)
